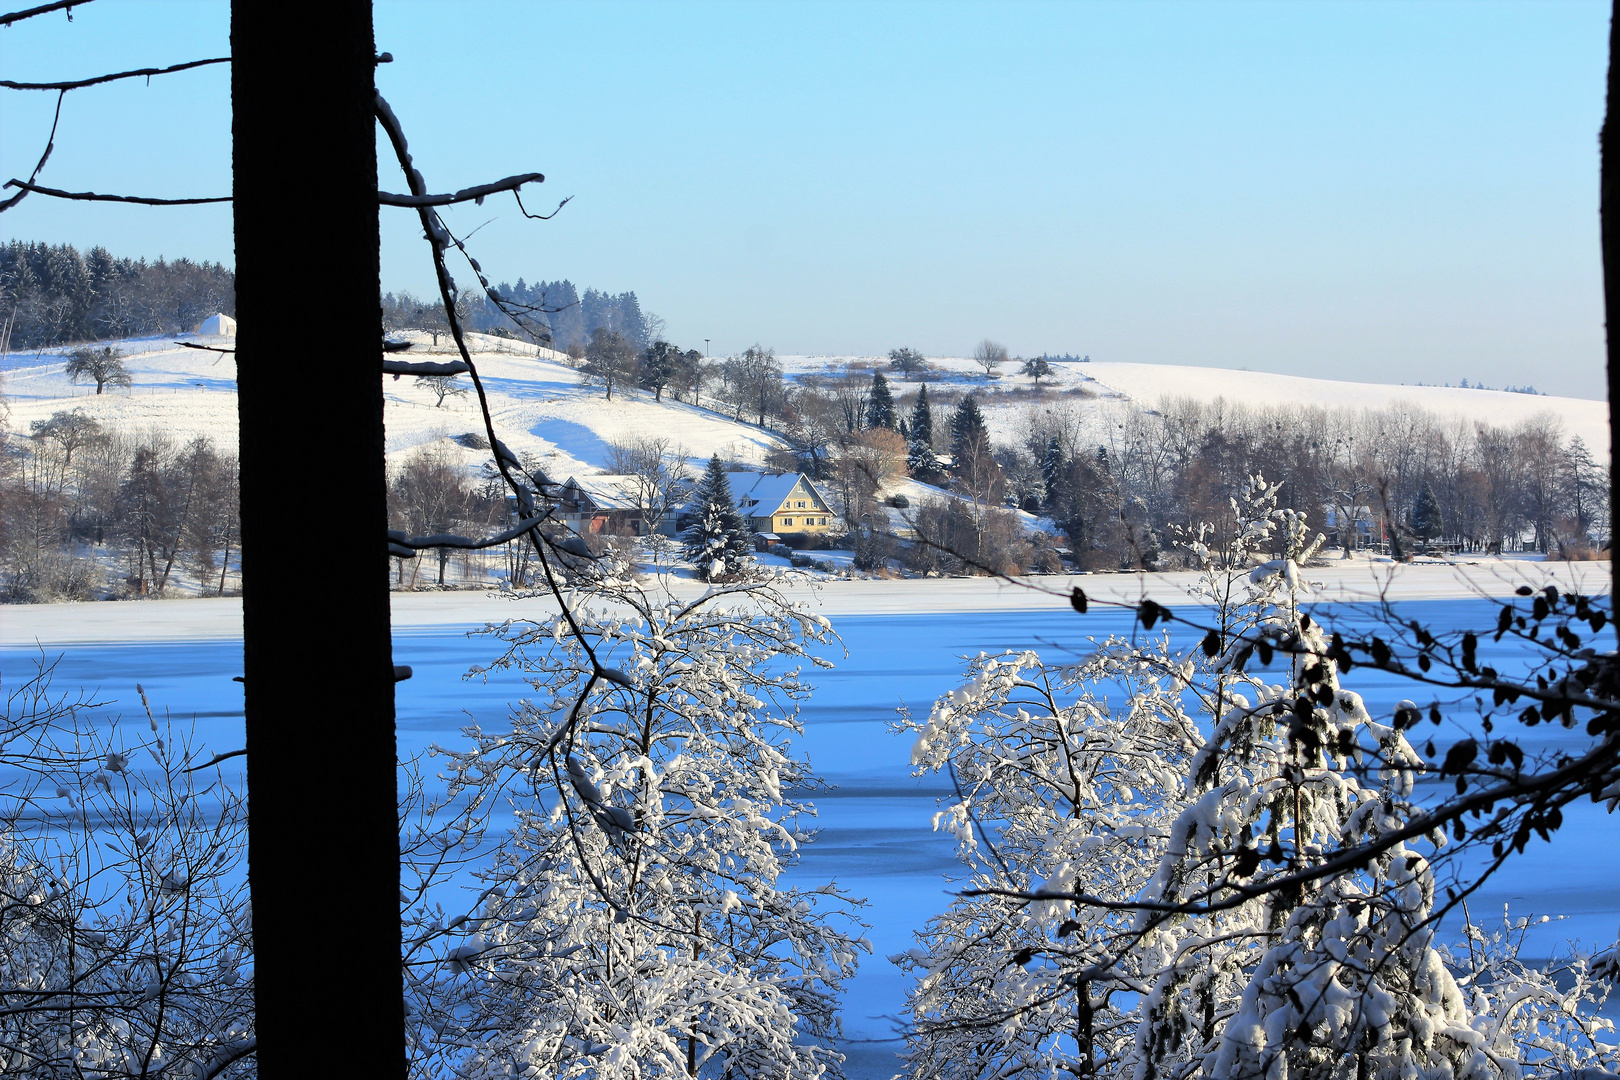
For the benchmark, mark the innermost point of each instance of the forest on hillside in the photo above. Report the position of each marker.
(51, 294)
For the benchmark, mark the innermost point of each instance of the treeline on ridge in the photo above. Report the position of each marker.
(51, 295)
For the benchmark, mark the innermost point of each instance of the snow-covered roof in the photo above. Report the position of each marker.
(217, 325)
(607, 491)
(768, 491)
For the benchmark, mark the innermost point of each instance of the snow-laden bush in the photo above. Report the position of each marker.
(634, 924)
(1153, 839)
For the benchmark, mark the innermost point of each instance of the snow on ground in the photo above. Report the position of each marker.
(1355, 580)
(1098, 386)
(539, 405)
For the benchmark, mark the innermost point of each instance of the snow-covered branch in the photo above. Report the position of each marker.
(475, 194)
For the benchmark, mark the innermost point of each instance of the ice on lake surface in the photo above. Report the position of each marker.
(875, 836)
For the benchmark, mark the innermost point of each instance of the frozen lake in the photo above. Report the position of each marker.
(875, 828)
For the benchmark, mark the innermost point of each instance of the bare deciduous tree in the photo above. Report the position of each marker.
(989, 355)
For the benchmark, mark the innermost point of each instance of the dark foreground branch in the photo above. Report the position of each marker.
(80, 84)
(451, 540)
(397, 368)
(43, 9)
(91, 196)
(476, 194)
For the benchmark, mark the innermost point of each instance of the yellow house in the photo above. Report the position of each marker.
(782, 503)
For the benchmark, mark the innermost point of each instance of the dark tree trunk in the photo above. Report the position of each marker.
(323, 836)
(1609, 216)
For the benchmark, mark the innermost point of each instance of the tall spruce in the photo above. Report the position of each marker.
(1051, 472)
(718, 540)
(880, 404)
(920, 459)
(1426, 522)
(969, 435)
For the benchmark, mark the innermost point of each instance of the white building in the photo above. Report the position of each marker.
(217, 325)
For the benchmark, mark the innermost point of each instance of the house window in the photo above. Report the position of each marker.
(799, 505)
(787, 521)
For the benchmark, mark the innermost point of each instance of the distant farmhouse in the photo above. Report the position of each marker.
(600, 504)
(781, 503)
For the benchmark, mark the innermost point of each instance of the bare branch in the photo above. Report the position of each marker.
(539, 217)
(43, 9)
(451, 540)
(50, 144)
(91, 196)
(79, 84)
(216, 760)
(206, 348)
(475, 194)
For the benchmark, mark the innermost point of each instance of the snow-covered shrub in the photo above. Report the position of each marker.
(634, 924)
(1153, 839)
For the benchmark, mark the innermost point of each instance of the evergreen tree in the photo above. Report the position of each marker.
(1052, 471)
(968, 432)
(880, 404)
(920, 460)
(1426, 523)
(719, 539)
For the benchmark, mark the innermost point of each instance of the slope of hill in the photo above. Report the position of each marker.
(1147, 385)
(540, 407)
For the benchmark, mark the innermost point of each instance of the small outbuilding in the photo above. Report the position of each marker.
(217, 325)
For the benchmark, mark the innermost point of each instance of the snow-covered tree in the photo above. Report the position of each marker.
(633, 924)
(1154, 891)
(718, 539)
(921, 461)
(880, 403)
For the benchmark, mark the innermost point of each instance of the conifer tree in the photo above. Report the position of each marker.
(880, 405)
(920, 461)
(968, 431)
(1426, 522)
(718, 540)
(1052, 471)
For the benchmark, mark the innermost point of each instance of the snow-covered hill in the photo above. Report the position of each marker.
(538, 403)
(1148, 385)
(542, 408)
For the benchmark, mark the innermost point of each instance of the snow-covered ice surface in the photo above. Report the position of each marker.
(904, 642)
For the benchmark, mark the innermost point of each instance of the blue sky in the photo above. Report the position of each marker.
(1376, 191)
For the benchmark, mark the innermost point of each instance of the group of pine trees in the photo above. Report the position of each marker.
(571, 317)
(50, 294)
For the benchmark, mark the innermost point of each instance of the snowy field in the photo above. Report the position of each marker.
(904, 640)
(541, 407)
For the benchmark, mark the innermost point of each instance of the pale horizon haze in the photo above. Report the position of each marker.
(1382, 192)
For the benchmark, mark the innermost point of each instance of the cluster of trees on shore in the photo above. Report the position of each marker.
(50, 295)
(77, 494)
(1402, 480)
